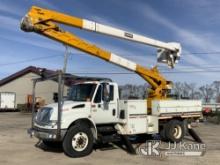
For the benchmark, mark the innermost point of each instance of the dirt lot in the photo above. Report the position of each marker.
(17, 148)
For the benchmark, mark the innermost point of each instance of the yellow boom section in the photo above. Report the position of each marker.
(44, 21)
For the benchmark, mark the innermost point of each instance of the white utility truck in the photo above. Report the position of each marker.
(94, 111)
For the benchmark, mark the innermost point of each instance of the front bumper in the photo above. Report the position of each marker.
(46, 134)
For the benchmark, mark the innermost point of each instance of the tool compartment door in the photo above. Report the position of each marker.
(136, 116)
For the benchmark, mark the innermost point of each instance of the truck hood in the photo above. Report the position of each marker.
(68, 105)
(69, 108)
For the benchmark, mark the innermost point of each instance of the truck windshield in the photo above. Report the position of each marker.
(82, 92)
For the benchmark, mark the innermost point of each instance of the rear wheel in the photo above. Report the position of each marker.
(78, 141)
(174, 131)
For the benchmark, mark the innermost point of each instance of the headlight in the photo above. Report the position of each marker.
(43, 115)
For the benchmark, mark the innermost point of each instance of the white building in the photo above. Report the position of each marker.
(21, 84)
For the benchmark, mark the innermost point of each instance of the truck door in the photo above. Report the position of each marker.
(104, 106)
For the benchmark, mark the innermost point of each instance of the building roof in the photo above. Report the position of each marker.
(43, 72)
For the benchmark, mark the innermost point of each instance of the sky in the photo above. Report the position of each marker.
(194, 24)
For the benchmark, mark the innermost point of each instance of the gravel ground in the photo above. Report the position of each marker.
(16, 147)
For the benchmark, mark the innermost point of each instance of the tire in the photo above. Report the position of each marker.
(78, 141)
(174, 131)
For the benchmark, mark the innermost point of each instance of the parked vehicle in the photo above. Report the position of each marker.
(7, 101)
(94, 111)
(210, 109)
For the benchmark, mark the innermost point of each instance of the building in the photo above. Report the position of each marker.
(21, 83)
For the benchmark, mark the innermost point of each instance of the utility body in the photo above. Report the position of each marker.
(94, 111)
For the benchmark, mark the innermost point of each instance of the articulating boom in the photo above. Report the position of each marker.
(44, 21)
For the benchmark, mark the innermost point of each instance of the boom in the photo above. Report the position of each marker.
(44, 21)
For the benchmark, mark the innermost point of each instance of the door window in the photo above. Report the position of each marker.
(111, 93)
(98, 95)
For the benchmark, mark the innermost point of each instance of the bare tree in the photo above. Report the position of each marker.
(191, 89)
(207, 92)
(178, 89)
(197, 95)
(186, 90)
(216, 86)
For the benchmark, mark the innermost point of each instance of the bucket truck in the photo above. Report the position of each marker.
(94, 111)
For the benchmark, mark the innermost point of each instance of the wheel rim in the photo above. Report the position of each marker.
(177, 132)
(80, 141)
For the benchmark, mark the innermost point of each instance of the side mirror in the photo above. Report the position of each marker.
(106, 99)
(106, 93)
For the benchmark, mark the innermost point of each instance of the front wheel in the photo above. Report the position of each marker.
(78, 141)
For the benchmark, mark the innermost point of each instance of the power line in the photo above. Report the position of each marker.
(153, 54)
(52, 56)
(184, 54)
(132, 73)
(192, 71)
(29, 60)
(172, 72)
(214, 52)
(192, 67)
(193, 53)
(162, 70)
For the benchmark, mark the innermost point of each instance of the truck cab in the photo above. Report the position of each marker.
(102, 97)
(90, 105)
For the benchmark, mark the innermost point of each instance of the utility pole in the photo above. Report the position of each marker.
(66, 56)
(61, 82)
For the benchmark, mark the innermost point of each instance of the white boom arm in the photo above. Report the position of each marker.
(167, 53)
(115, 32)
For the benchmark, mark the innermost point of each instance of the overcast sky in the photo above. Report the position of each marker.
(195, 24)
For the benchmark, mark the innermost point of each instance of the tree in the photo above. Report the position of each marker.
(216, 85)
(178, 89)
(191, 89)
(207, 92)
(187, 90)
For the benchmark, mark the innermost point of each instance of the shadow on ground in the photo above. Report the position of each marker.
(57, 146)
